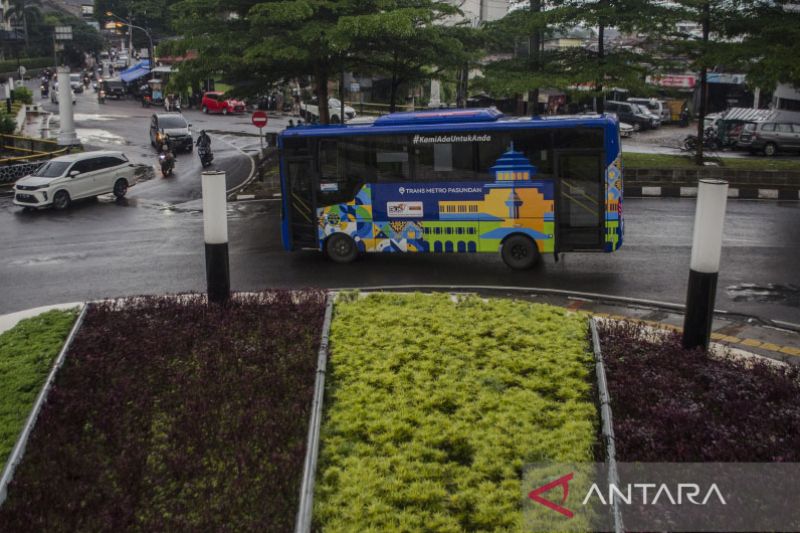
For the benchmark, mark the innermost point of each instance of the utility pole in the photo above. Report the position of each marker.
(534, 48)
(703, 83)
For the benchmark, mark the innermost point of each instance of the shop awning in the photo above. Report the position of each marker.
(136, 71)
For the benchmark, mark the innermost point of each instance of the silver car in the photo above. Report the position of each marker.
(770, 137)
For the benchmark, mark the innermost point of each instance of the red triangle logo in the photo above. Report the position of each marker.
(562, 482)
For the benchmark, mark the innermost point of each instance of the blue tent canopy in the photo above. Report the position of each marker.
(136, 71)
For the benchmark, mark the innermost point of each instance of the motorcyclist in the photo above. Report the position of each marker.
(168, 163)
(203, 140)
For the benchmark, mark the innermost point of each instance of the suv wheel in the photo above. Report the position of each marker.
(120, 188)
(61, 200)
(770, 149)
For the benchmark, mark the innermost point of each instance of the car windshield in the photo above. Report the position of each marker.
(334, 103)
(75, 77)
(171, 122)
(642, 109)
(51, 169)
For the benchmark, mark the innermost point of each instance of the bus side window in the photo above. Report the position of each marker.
(391, 158)
(537, 145)
(445, 162)
(490, 152)
(336, 184)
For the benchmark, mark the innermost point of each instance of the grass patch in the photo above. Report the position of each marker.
(169, 415)
(27, 352)
(434, 406)
(666, 161)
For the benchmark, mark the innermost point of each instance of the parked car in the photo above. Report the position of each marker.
(630, 113)
(310, 112)
(215, 102)
(770, 137)
(114, 88)
(625, 129)
(658, 108)
(76, 83)
(171, 129)
(70, 177)
(655, 120)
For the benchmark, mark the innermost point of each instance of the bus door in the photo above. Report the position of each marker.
(581, 202)
(301, 178)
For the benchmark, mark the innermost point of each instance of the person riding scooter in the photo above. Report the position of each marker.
(167, 159)
(204, 148)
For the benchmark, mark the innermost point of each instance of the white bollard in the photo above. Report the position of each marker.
(215, 232)
(66, 136)
(709, 219)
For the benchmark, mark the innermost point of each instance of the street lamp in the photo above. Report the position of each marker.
(151, 59)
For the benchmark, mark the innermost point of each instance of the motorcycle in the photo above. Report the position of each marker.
(101, 96)
(167, 163)
(206, 157)
(45, 88)
(710, 141)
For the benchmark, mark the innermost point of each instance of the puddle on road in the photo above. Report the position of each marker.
(94, 136)
(98, 117)
(50, 260)
(769, 293)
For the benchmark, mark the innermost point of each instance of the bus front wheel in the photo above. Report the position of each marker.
(519, 252)
(341, 248)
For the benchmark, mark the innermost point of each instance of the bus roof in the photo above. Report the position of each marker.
(448, 120)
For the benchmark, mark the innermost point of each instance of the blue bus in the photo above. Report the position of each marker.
(454, 181)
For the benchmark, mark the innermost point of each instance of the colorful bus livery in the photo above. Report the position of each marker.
(454, 181)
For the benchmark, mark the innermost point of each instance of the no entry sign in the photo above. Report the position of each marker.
(259, 119)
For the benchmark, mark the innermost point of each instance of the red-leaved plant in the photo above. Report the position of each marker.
(671, 404)
(170, 415)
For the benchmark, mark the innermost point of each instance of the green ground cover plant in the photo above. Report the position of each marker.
(27, 352)
(667, 161)
(434, 406)
(170, 415)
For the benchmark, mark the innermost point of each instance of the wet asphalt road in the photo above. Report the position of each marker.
(101, 249)
(124, 125)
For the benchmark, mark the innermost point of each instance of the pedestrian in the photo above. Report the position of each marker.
(291, 123)
(168, 103)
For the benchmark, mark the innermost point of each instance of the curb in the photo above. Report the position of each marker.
(743, 193)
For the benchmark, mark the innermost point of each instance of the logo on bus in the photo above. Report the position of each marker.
(404, 209)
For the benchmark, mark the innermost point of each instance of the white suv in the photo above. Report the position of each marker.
(70, 177)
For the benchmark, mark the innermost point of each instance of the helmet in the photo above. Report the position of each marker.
(164, 148)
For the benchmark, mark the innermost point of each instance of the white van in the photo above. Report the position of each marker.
(655, 106)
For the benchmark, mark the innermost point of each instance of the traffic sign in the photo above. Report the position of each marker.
(259, 119)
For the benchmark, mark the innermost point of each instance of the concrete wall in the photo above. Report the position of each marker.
(743, 183)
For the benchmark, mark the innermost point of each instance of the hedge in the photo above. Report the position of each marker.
(27, 352)
(434, 407)
(169, 415)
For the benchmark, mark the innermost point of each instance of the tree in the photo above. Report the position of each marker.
(407, 42)
(155, 15)
(22, 11)
(85, 39)
(531, 66)
(254, 44)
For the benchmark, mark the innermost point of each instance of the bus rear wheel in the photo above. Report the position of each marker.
(519, 252)
(341, 248)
